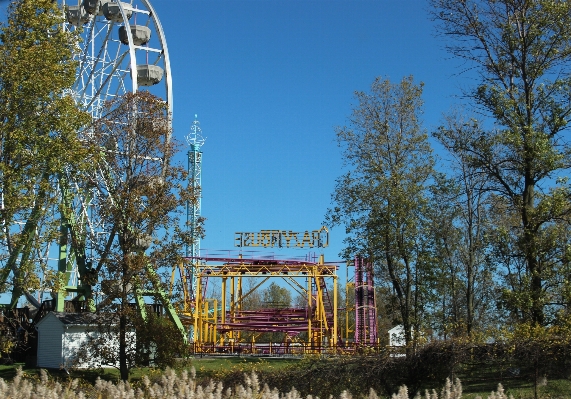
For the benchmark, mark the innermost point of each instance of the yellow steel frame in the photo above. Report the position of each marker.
(203, 313)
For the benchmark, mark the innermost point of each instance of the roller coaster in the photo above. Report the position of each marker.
(318, 319)
(224, 324)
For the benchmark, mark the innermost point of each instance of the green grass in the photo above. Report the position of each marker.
(7, 372)
(207, 364)
(482, 379)
(519, 389)
(211, 367)
(206, 367)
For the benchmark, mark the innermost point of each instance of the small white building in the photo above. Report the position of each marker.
(396, 336)
(63, 340)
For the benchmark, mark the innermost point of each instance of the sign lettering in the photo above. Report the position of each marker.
(283, 238)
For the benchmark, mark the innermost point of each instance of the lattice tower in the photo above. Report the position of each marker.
(195, 141)
(365, 305)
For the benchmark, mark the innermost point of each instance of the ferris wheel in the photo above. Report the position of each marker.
(123, 49)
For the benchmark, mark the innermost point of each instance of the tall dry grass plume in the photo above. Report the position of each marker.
(173, 385)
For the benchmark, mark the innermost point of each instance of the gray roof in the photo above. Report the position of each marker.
(85, 318)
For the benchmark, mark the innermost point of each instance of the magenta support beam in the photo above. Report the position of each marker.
(371, 304)
(359, 320)
(365, 304)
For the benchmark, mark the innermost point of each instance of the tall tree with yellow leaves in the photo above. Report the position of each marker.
(39, 140)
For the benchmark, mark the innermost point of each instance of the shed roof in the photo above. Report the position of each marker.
(74, 319)
(77, 318)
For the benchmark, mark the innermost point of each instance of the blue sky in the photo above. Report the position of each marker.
(270, 80)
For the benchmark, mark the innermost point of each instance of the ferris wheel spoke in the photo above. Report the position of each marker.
(107, 79)
(93, 62)
(119, 89)
(83, 60)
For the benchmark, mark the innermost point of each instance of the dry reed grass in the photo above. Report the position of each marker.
(173, 385)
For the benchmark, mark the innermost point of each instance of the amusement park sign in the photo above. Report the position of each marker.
(283, 238)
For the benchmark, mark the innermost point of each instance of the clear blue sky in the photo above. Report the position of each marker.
(270, 80)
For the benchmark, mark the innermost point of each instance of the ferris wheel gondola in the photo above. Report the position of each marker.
(123, 49)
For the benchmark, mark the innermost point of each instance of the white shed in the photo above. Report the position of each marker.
(62, 339)
(396, 336)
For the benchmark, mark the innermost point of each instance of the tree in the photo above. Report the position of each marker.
(521, 51)
(39, 139)
(449, 312)
(276, 297)
(159, 342)
(381, 200)
(463, 283)
(150, 341)
(252, 296)
(515, 296)
(462, 223)
(140, 197)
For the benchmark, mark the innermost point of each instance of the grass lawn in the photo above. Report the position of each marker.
(519, 389)
(212, 367)
(482, 380)
(8, 372)
(206, 367)
(209, 364)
